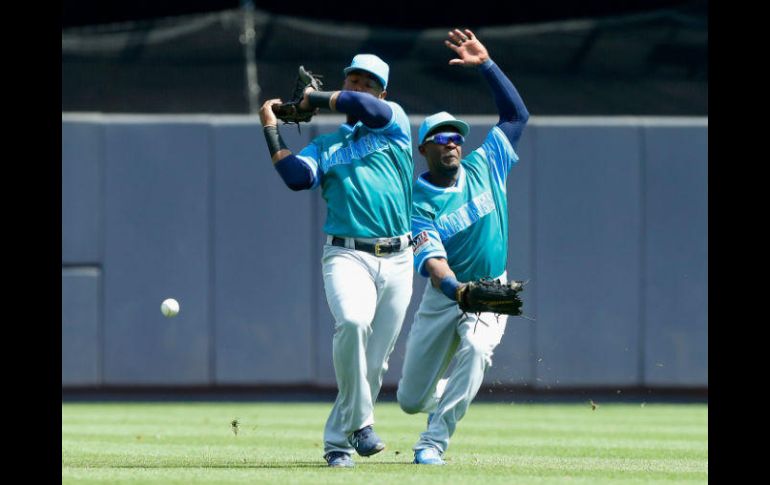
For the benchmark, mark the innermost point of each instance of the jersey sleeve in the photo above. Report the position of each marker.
(398, 127)
(499, 154)
(310, 155)
(427, 243)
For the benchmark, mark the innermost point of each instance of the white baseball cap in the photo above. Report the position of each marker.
(441, 119)
(370, 63)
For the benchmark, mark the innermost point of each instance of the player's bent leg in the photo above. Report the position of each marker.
(474, 356)
(430, 346)
(425, 402)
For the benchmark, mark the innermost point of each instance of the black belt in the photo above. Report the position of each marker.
(384, 246)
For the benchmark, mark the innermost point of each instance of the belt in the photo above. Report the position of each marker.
(379, 247)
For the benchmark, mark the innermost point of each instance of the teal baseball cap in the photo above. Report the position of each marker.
(441, 119)
(372, 64)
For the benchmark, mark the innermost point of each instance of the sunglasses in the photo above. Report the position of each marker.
(445, 138)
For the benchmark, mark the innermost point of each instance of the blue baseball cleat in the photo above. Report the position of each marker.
(366, 442)
(428, 456)
(339, 459)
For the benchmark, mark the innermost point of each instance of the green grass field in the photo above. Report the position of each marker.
(194, 443)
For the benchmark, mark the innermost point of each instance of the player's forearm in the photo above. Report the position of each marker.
(295, 174)
(437, 269)
(442, 276)
(510, 106)
(275, 144)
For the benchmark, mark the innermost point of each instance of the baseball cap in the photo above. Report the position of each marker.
(441, 119)
(370, 63)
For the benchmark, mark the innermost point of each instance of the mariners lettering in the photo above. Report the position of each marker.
(356, 150)
(450, 224)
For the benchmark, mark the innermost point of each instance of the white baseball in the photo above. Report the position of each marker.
(169, 307)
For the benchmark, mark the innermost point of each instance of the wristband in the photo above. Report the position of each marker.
(320, 99)
(449, 286)
(274, 141)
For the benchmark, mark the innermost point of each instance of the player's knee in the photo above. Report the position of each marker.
(408, 404)
(478, 350)
(354, 323)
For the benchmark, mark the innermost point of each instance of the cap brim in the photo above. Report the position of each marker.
(376, 76)
(459, 124)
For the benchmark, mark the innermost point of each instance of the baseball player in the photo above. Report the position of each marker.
(460, 227)
(364, 169)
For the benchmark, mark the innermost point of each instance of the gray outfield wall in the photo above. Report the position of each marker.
(608, 221)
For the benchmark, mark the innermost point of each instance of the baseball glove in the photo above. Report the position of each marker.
(487, 295)
(289, 112)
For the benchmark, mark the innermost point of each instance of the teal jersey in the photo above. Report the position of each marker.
(467, 223)
(365, 175)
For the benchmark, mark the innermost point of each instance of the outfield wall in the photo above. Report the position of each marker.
(608, 221)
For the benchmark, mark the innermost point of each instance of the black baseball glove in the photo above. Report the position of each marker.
(487, 295)
(289, 112)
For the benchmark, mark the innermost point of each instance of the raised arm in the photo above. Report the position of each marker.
(296, 173)
(472, 53)
(373, 112)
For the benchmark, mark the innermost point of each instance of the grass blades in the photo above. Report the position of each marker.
(236, 443)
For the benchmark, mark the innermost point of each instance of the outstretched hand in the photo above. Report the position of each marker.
(470, 51)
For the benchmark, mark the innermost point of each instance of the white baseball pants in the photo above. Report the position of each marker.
(368, 297)
(439, 333)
